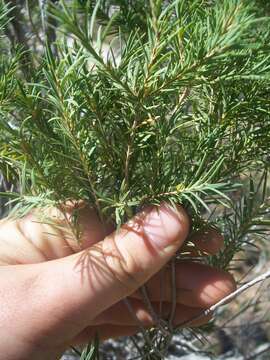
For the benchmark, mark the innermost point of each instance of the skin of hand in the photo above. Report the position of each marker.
(56, 292)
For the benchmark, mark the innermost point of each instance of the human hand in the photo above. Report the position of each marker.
(55, 292)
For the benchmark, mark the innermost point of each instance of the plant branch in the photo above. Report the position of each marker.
(211, 310)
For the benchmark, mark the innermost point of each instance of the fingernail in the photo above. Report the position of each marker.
(166, 227)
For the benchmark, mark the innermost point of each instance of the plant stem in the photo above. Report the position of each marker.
(212, 309)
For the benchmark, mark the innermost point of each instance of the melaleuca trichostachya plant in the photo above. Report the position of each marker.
(134, 103)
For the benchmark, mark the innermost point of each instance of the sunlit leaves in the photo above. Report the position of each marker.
(4, 11)
(161, 117)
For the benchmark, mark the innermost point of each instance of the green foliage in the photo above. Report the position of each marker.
(4, 18)
(139, 102)
(91, 351)
(125, 132)
(247, 222)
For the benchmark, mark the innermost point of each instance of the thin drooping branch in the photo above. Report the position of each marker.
(257, 354)
(227, 299)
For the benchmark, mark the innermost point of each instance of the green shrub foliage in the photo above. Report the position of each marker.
(129, 103)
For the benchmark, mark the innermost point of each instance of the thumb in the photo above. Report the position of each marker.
(98, 277)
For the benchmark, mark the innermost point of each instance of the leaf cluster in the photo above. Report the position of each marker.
(176, 115)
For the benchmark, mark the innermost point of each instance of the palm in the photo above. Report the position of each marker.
(29, 241)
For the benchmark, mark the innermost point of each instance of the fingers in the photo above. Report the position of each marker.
(89, 282)
(105, 331)
(15, 248)
(54, 232)
(118, 320)
(92, 229)
(47, 236)
(120, 314)
(41, 237)
(197, 285)
(209, 241)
